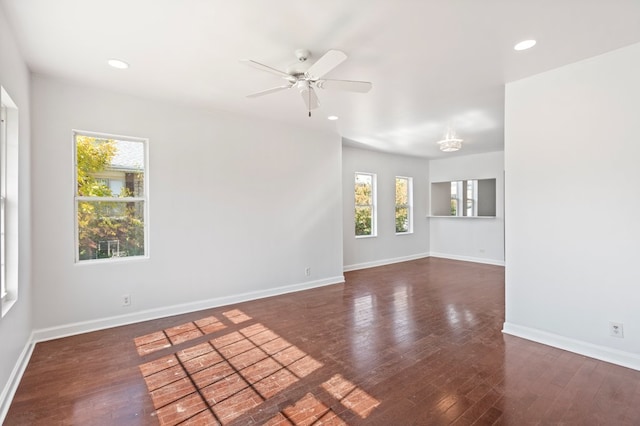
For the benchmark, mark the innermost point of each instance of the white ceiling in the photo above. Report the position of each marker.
(433, 63)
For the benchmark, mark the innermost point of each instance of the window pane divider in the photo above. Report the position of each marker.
(110, 199)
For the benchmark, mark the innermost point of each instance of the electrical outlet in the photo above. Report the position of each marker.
(126, 300)
(307, 271)
(616, 329)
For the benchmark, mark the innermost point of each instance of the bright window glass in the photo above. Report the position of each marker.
(365, 207)
(3, 194)
(404, 205)
(9, 149)
(111, 200)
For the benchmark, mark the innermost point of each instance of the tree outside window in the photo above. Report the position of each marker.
(365, 205)
(110, 198)
(403, 205)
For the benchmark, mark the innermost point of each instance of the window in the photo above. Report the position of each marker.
(456, 198)
(3, 275)
(111, 196)
(404, 205)
(3, 194)
(115, 185)
(472, 198)
(464, 198)
(365, 206)
(8, 201)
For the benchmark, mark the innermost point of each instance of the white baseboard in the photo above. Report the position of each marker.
(496, 262)
(14, 379)
(383, 262)
(57, 332)
(603, 353)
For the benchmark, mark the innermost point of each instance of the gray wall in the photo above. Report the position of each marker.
(474, 239)
(387, 246)
(15, 326)
(239, 208)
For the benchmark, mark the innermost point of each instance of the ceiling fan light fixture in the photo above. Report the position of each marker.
(303, 85)
(332, 117)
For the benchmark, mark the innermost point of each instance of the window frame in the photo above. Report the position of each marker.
(408, 205)
(3, 275)
(372, 205)
(471, 197)
(77, 199)
(3, 198)
(9, 194)
(457, 198)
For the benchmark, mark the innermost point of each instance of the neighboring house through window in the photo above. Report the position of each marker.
(111, 196)
(365, 205)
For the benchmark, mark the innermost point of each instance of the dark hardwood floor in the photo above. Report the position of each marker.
(411, 343)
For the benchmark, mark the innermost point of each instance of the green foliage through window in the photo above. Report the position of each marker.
(403, 204)
(364, 209)
(110, 197)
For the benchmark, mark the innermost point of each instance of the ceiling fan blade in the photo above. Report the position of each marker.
(266, 68)
(268, 91)
(309, 97)
(326, 63)
(346, 85)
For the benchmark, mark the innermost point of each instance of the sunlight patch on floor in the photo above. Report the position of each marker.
(218, 381)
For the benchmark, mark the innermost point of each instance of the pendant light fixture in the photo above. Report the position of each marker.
(450, 143)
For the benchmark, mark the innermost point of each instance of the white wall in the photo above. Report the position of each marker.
(462, 238)
(238, 209)
(387, 247)
(572, 232)
(15, 326)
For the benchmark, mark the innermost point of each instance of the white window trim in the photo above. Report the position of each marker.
(9, 182)
(374, 206)
(3, 276)
(77, 198)
(3, 179)
(473, 198)
(409, 204)
(459, 197)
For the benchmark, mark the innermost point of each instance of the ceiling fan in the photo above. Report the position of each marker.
(305, 77)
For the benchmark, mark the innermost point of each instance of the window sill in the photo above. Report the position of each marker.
(112, 260)
(405, 233)
(464, 217)
(7, 304)
(358, 237)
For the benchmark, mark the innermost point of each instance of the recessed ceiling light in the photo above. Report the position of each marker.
(117, 63)
(524, 45)
(332, 117)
